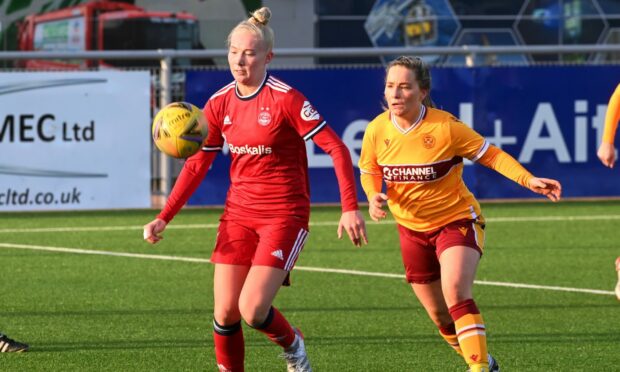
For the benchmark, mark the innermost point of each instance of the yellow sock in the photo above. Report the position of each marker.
(471, 334)
(473, 340)
(449, 334)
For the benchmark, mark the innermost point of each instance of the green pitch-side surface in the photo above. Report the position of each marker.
(121, 312)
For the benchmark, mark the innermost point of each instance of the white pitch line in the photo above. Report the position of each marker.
(300, 268)
(104, 253)
(318, 223)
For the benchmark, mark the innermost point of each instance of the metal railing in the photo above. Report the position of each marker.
(167, 56)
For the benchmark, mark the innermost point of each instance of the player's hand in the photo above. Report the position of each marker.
(153, 230)
(353, 223)
(545, 186)
(607, 154)
(375, 207)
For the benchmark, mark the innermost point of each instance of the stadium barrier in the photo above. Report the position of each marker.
(568, 100)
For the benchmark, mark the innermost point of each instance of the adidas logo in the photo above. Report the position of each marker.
(278, 253)
(227, 120)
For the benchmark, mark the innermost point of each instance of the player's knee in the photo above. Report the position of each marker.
(454, 294)
(439, 316)
(254, 314)
(226, 315)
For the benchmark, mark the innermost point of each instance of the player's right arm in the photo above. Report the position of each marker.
(606, 151)
(193, 172)
(370, 176)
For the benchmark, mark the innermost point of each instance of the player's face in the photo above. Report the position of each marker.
(248, 58)
(402, 92)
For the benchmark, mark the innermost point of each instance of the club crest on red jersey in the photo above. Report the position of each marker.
(264, 117)
(308, 113)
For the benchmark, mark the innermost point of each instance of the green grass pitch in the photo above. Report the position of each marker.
(82, 311)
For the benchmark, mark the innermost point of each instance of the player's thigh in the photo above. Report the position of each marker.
(280, 244)
(228, 281)
(459, 246)
(259, 291)
(419, 257)
(235, 244)
(234, 249)
(468, 233)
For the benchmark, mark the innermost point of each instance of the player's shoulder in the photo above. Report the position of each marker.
(223, 92)
(279, 87)
(379, 120)
(435, 114)
(440, 117)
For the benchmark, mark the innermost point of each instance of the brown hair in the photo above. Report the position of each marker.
(421, 71)
(257, 24)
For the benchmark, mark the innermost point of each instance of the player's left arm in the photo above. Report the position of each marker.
(351, 220)
(309, 124)
(473, 146)
(509, 167)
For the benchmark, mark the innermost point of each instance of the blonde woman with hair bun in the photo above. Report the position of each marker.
(264, 226)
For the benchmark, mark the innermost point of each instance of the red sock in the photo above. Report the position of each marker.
(277, 328)
(229, 347)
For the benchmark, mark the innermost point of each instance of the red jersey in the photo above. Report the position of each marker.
(265, 133)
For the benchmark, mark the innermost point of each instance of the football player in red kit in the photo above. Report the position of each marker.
(265, 123)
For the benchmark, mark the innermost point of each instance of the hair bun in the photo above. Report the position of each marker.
(262, 16)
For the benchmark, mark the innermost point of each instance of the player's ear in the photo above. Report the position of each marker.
(269, 57)
(424, 94)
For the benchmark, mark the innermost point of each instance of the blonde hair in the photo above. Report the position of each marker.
(420, 70)
(257, 24)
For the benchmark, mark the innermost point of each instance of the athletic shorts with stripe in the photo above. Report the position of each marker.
(421, 250)
(260, 242)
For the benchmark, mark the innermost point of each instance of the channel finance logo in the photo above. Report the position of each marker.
(418, 173)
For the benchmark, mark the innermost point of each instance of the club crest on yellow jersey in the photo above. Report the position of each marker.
(428, 141)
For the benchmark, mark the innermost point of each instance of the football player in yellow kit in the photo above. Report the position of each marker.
(418, 152)
(607, 152)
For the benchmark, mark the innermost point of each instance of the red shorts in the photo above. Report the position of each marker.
(260, 242)
(421, 250)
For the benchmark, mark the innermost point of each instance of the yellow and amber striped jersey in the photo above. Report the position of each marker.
(422, 168)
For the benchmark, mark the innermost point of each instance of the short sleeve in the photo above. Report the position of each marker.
(303, 117)
(467, 142)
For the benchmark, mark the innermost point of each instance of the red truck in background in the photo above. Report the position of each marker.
(106, 25)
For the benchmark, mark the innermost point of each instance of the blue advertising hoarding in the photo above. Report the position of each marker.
(550, 118)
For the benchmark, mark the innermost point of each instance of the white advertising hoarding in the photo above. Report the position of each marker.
(74, 140)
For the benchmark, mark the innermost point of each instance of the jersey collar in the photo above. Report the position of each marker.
(253, 94)
(415, 123)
